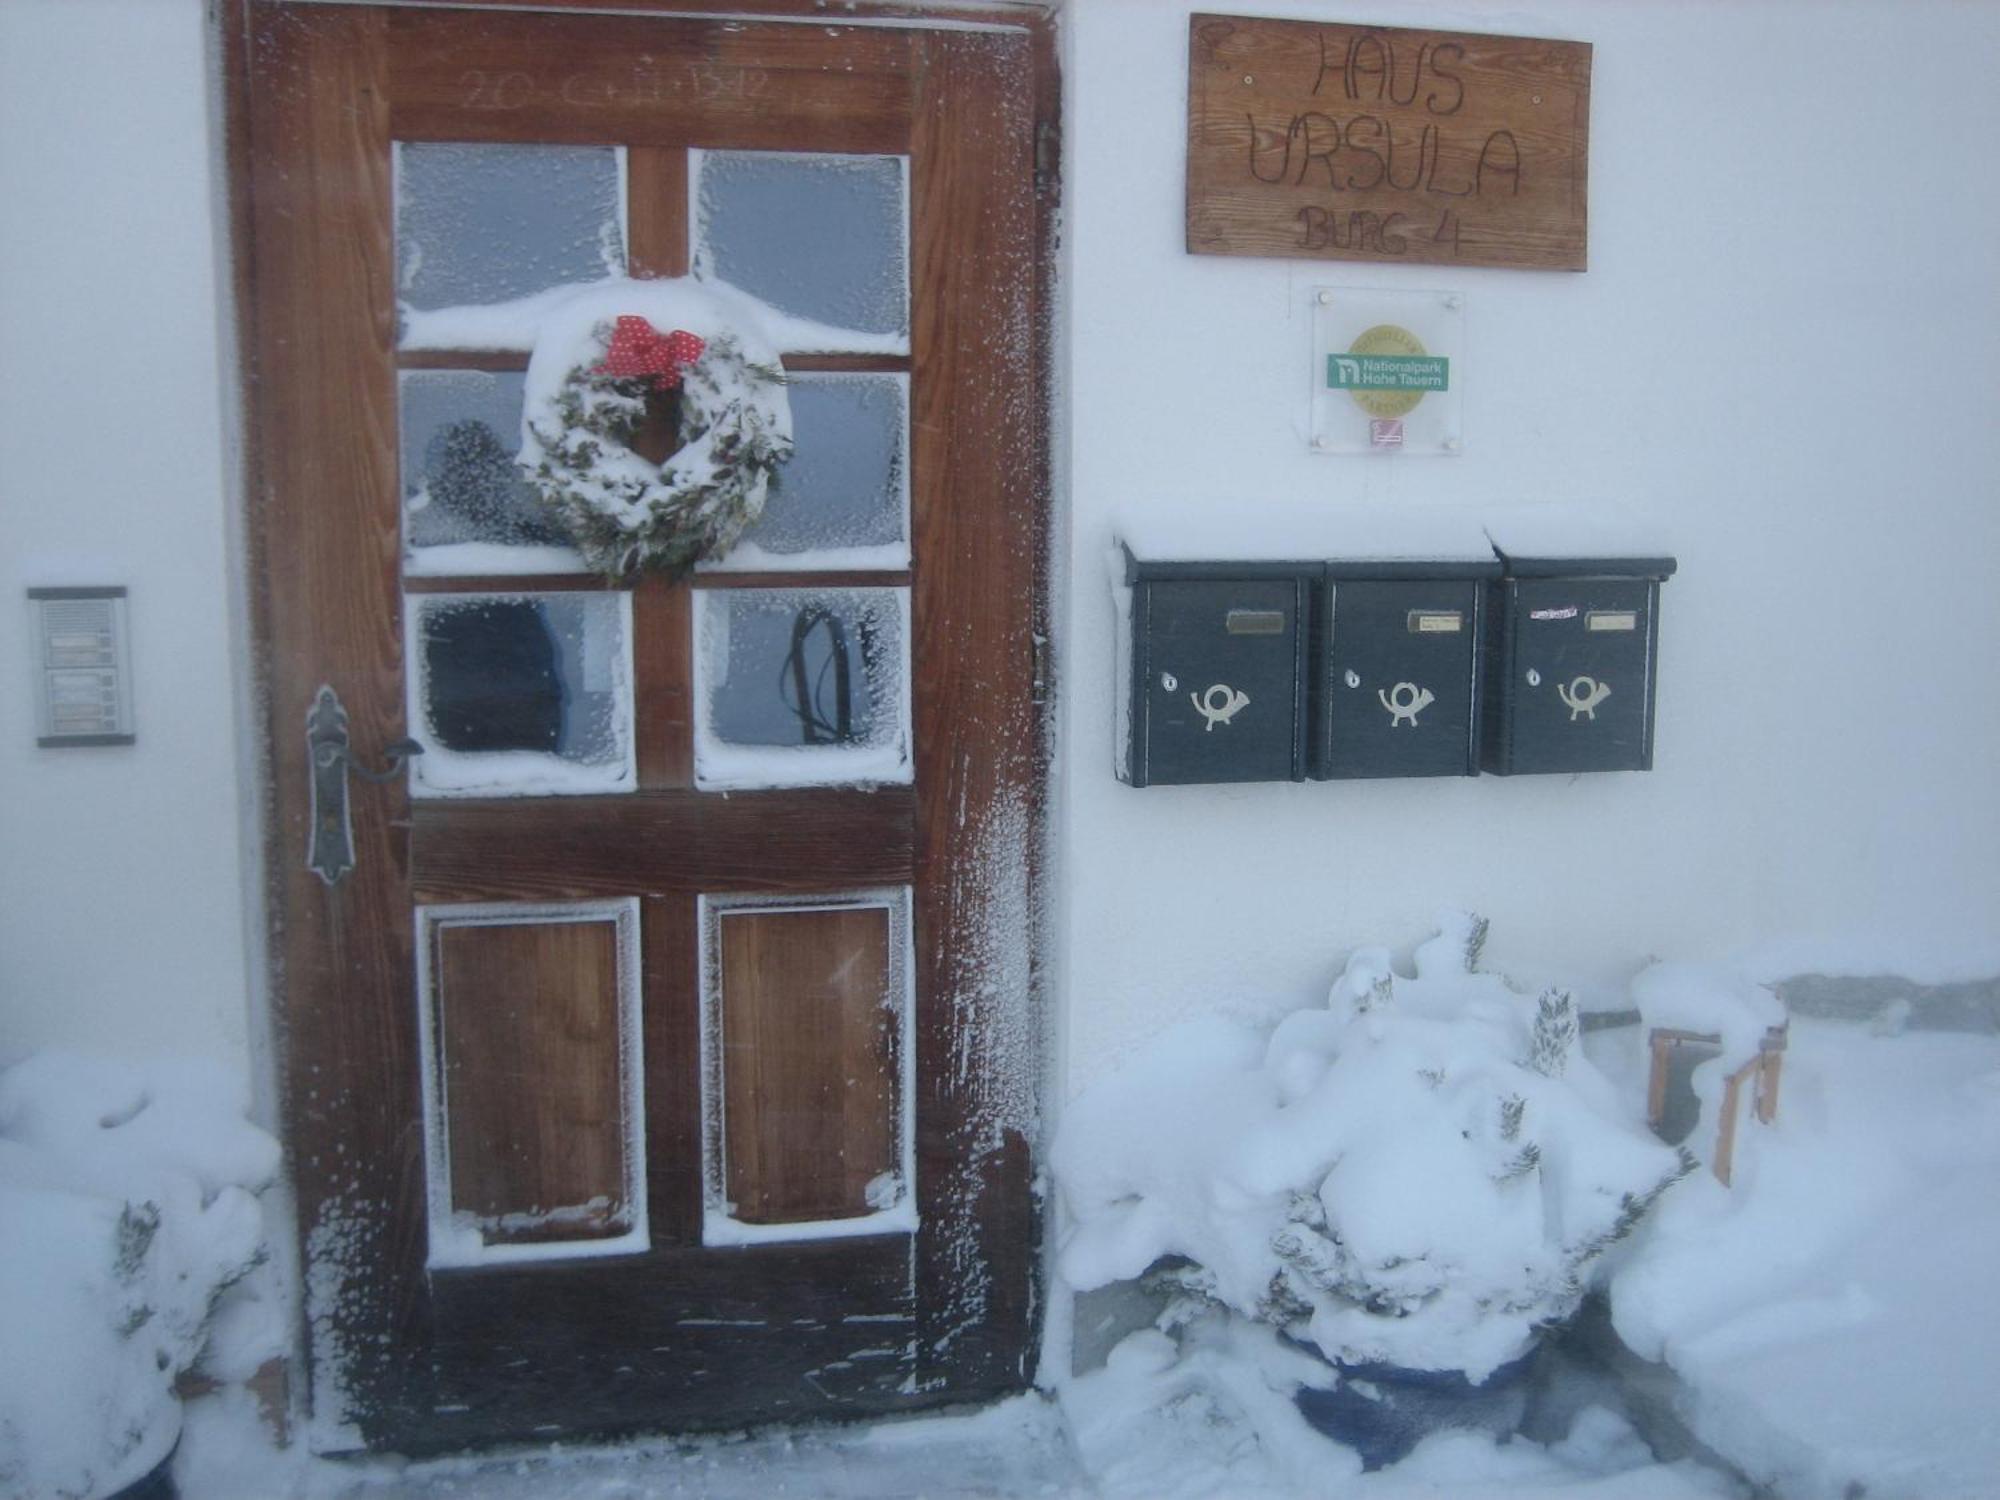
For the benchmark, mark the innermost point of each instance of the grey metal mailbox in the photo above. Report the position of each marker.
(1217, 675)
(1572, 663)
(1399, 693)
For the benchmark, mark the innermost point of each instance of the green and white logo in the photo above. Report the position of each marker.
(1387, 371)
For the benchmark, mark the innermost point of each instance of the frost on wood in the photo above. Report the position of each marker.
(128, 1196)
(1423, 1173)
(995, 1062)
(339, 1247)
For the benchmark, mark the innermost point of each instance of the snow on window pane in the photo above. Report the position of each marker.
(801, 687)
(842, 501)
(521, 694)
(466, 506)
(481, 223)
(819, 236)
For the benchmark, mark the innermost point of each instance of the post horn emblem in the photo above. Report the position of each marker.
(1218, 705)
(1581, 695)
(1405, 701)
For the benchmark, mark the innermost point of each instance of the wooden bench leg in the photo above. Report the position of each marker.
(1656, 1082)
(1771, 1065)
(1725, 1134)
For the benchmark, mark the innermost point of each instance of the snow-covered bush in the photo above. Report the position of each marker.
(126, 1207)
(1420, 1174)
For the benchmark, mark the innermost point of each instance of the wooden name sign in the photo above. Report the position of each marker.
(1337, 142)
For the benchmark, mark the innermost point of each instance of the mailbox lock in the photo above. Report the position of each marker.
(1169, 682)
(1352, 678)
(1534, 678)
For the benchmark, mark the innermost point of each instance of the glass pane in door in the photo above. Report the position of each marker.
(801, 687)
(823, 237)
(520, 694)
(490, 223)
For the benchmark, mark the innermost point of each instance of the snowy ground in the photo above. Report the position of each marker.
(1828, 1321)
(1018, 1449)
(1195, 1443)
(1832, 1313)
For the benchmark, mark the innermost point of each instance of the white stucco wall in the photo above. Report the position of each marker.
(121, 892)
(1782, 355)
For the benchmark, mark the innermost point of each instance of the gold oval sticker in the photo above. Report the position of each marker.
(1387, 338)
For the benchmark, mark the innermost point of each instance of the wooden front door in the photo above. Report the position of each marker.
(668, 1056)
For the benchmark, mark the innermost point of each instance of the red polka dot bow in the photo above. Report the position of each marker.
(638, 348)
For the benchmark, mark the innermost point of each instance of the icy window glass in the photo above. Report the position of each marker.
(479, 223)
(801, 687)
(820, 237)
(466, 506)
(521, 694)
(842, 501)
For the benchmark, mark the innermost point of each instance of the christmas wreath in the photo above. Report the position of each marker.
(596, 383)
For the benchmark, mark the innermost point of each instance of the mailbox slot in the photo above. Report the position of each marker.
(1572, 665)
(1256, 622)
(1218, 673)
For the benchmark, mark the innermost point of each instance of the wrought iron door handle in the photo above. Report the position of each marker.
(400, 755)
(330, 841)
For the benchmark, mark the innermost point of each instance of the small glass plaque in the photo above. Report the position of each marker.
(1388, 371)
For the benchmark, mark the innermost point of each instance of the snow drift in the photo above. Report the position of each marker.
(1421, 1173)
(127, 1192)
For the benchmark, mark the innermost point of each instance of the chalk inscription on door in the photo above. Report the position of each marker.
(1376, 143)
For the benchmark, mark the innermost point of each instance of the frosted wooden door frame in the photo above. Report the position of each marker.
(419, 1360)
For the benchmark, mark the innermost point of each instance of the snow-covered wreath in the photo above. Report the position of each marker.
(601, 364)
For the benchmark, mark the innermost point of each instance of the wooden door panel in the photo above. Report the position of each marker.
(317, 228)
(773, 88)
(580, 847)
(810, 1035)
(697, 1335)
(529, 1057)
(407, 1350)
(976, 532)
